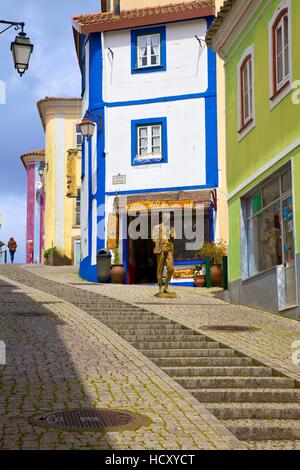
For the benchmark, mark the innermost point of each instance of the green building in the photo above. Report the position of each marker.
(259, 41)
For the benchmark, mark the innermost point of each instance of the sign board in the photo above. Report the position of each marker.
(119, 179)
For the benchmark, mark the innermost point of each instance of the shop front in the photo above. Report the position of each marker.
(132, 223)
(268, 244)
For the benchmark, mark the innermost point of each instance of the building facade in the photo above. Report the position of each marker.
(259, 42)
(149, 84)
(60, 118)
(34, 163)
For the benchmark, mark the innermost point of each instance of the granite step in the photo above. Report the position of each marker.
(235, 382)
(226, 411)
(230, 371)
(202, 361)
(263, 429)
(273, 445)
(163, 338)
(184, 346)
(266, 395)
(201, 353)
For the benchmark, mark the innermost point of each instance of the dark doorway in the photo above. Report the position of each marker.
(141, 259)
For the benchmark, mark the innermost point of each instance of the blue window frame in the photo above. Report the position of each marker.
(148, 50)
(149, 141)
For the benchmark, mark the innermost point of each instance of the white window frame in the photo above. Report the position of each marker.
(246, 125)
(149, 56)
(285, 86)
(150, 154)
(78, 133)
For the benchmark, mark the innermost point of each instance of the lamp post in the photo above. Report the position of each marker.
(21, 47)
(87, 128)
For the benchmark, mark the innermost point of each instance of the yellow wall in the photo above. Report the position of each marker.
(71, 113)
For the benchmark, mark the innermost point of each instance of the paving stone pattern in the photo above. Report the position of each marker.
(61, 357)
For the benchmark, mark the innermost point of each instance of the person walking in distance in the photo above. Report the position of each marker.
(12, 246)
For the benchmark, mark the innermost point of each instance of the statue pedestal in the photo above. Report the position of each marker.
(166, 295)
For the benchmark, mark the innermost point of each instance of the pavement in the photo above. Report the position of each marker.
(66, 359)
(58, 357)
(271, 340)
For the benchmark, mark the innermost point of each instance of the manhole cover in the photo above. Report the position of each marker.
(229, 328)
(92, 420)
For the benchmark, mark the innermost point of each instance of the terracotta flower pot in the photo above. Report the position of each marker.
(216, 275)
(117, 274)
(199, 281)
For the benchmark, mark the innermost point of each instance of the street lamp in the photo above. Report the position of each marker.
(87, 128)
(21, 47)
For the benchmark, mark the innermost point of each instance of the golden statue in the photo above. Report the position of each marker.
(163, 236)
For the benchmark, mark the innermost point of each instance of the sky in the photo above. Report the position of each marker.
(53, 71)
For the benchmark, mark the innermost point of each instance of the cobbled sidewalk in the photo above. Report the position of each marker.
(61, 358)
(196, 308)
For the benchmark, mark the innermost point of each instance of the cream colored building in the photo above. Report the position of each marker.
(60, 118)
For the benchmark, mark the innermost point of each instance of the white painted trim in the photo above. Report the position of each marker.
(241, 135)
(287, 90)
(233, 26)
(94, 161)
(86, 96)
(246, 32)
(264, 168)
(295, 228)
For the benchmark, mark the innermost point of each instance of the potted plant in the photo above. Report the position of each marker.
(118, 272)
(216, 252)
(199, 276)
(53, 257)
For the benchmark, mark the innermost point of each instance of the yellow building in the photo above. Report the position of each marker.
(60, 118)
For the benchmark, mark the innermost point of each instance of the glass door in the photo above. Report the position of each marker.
(289, 252)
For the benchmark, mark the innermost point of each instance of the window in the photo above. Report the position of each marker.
(149, 141)
(148, 50)
(77, 208)
(78, 137)
(246, 101)
(265, 219)
(280, 55)
(246, 78)
(281, 65)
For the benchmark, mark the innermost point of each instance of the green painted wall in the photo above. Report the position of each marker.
(275, 129)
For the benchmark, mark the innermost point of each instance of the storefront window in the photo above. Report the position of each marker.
(181, 252)
(269, 225)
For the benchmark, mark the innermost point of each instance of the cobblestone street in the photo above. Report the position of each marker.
(61, 358)
(66, 357)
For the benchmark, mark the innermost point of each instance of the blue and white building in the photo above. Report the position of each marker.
(149, 84)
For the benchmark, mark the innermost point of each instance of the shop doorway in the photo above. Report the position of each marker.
(290, 298)
(141, 259)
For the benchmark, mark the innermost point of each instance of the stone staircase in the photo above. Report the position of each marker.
(257, 404)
